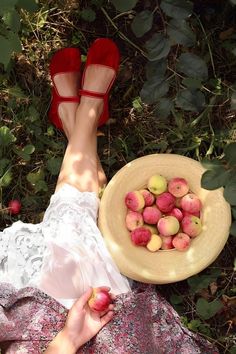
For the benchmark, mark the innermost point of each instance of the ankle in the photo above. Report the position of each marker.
(93, 106)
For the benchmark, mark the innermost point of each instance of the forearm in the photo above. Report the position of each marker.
(61, 344)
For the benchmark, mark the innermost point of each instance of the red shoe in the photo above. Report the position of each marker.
(63, 61)
(102, 52)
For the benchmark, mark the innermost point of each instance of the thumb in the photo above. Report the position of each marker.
(82, 301)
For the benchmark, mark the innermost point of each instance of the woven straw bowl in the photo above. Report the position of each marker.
(169, 266)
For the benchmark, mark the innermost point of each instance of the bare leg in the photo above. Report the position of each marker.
(102, 179)
(80, 164)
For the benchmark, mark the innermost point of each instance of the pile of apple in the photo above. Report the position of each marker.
(163, 216)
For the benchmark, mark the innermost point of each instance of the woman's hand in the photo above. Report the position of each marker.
(82, 324)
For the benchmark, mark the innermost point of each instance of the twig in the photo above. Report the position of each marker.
(122, 34)
(123, 14)
(209, 47)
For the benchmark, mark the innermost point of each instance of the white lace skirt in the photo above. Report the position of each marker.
(63, 255)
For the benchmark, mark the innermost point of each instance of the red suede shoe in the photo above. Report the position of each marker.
(102, 52)
(63, 61)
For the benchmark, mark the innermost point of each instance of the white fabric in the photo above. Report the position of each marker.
(63, 255)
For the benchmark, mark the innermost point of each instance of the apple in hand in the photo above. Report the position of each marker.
(99, 300)
(178, 187)
(157, 184)
(133, 220)
(134, 201)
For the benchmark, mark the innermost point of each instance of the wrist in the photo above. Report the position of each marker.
(62, 344)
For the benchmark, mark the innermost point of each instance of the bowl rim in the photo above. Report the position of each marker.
(120, 259)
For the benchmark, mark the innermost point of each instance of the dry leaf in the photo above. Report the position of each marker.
(213, 288)
(226, 34)
(229, 301)
(205, 294)
(100, 133)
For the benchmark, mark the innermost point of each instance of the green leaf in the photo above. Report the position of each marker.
(156, 68)
(16, 91)
(142, 23)
(176, 299)
(8, 46)
(12, 20)
(198, 282)
(7, 5)
(6, 137)
(6, 52)
(211, 164)
(34, 177)
(206, 309)
(230, 192)
(233, 349)
(3, 164)
(97, 3)
(191, 83)
(41, 185)
(33, 114)
(6, 179)
(88, 14)
(230, 153)
(179, 9)
(233, 101)
(158, 47)
(233, 229)
(164, 107)
(192, 66)
(28, 5)
(54, 165)
(124, 5)
(194, 325)
(25, 152)
(29, 149)
(154, 89)
(193, 100)
(180, 33)
(215, 178)
(137, 104)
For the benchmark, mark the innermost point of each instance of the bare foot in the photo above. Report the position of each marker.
(97, 79)
(67, 85)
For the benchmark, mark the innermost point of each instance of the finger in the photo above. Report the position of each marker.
(82, 301)
(113, 296)
(110, 308)
(106, 318)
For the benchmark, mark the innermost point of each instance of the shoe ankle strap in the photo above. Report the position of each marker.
(68, 99)
(91, 93)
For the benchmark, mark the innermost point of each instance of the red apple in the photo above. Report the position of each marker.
(99, 300)
(14, 206)
(140, 236)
